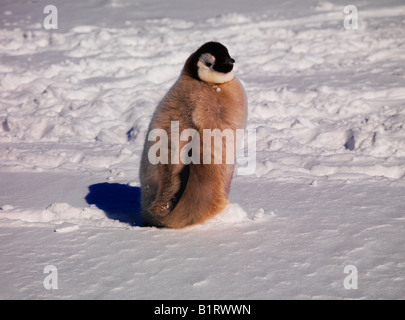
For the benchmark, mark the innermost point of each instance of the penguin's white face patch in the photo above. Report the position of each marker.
(207, 73)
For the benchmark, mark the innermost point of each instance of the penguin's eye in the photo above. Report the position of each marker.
(207, 60)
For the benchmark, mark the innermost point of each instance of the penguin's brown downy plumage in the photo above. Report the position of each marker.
(206, 96)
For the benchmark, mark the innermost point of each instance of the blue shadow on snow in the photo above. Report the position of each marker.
(119, 201)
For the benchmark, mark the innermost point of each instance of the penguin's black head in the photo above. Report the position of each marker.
(211, 63)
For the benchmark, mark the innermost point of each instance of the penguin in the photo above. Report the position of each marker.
(207, 95)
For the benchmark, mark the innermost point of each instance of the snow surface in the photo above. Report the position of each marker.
(328, 106)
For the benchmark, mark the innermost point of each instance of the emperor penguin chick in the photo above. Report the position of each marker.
(207, 96)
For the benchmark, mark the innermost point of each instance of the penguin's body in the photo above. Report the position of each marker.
(206, 96)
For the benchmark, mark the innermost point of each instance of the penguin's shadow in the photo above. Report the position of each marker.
(119, 201)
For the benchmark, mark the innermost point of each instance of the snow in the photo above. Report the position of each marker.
(327, 191)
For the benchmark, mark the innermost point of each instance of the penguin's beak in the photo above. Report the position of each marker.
(225, 66)
(230, 61)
